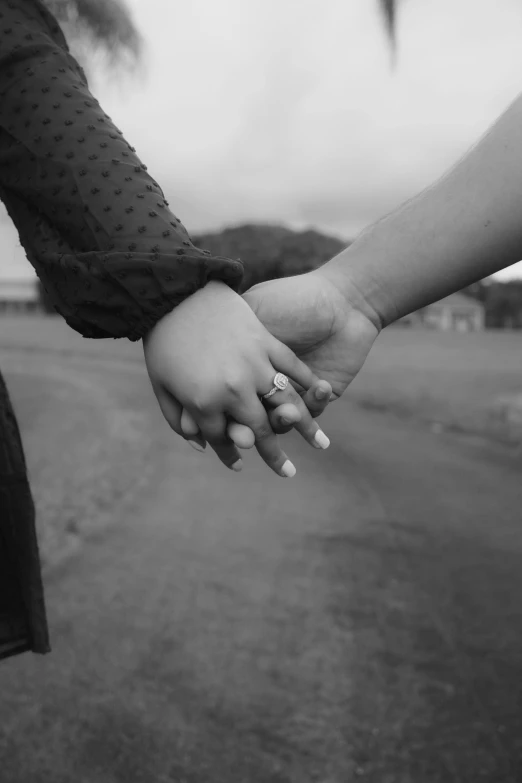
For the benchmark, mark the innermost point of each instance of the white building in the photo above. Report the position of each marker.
(457, 311)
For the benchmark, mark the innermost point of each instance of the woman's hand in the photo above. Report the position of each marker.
(282, 419)
(330, 331)
(212, 357)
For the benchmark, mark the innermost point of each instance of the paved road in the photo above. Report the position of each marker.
(361, 621)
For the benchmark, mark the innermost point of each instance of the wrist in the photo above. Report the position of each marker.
(214, 288)
(349, 278)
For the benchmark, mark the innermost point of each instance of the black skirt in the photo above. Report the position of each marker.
(23, 622)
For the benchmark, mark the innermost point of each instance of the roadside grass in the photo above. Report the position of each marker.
(449, 379)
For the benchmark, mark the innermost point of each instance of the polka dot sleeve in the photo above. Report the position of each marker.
(93, 222)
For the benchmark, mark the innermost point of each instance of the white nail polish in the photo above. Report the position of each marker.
(237, 466)
(321, 439)
(288, 470)
(196, 445)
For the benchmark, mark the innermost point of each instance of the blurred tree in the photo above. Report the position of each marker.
(389, 11)
(479, 290)
(256, 245)
(99, 24)
(503, 303)
(269, 252)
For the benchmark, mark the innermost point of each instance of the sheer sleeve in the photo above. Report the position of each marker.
(93, 222)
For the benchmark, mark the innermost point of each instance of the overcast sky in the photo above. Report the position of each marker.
(287, 111)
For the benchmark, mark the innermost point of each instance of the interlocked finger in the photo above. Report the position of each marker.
(213, 430)
(251, 414)
(306, 426)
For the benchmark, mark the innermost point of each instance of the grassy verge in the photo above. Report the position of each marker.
(449, 379)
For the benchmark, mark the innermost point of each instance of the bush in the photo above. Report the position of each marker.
(269, 252)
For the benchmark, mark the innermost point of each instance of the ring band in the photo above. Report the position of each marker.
(280, 383)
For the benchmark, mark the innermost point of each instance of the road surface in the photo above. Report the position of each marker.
(358, 622)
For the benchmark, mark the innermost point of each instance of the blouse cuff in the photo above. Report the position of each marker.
(125, 294)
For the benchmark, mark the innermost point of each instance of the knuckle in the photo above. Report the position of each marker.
(264, 431)
(201, 403)
(292, 395)
(199, 408)
(282, 429)
(310, 411)
(234, 385)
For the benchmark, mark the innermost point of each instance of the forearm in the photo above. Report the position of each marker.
(94, 224)
(466, 226)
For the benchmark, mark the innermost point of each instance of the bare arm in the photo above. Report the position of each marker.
(466, 226)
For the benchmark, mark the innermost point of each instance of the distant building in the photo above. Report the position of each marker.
(456, 312)
(19, 296)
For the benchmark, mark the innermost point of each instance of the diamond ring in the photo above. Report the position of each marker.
(280, 383)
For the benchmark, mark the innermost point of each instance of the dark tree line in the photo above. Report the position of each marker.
(502, 302)
(269, 252)
(105, 24)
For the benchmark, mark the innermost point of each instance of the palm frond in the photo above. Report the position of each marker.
(389, 11)
(103, 23)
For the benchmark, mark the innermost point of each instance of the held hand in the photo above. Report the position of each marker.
(285, 417)
(213, 357)
(329, 332)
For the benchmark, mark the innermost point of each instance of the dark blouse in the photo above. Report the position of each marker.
(97, 229)
(94, 224)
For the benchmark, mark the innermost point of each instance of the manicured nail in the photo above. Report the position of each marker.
(288, 470)
(196, 445)
(320, 393)
(321, 439)
(237, 466)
